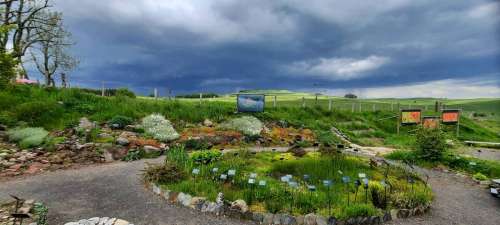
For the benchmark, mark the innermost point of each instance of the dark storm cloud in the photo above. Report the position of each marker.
(227, 45)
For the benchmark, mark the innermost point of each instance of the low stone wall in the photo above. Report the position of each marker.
(238, 209)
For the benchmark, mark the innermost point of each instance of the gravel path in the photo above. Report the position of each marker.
(458, 201)
(112, 190)
(115, 190)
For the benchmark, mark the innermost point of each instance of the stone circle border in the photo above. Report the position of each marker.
(218, 209)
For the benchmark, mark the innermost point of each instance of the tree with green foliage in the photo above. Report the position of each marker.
(430, 144)
(7, 63)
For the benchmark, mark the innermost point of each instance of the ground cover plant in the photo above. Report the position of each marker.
(282, 183)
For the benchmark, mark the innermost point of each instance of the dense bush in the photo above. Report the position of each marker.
(7, 68)
(124, 92)
(419, 196)
(159, 128)
(120, 121)
(248, 125)
(206, 157)
(34, 113)
(28, 137)
(358, 210)
(430, 144)
(164, 174)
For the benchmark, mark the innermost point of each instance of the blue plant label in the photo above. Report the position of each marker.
(362, 175)
(251, 181)
(285, 179)
(311, 187)
(293, 184)
(215, 170)
(231, 172)
(196, 171)
(346, 179)
(327, 183)
(262, 183)
(223, 176)
(365, 181)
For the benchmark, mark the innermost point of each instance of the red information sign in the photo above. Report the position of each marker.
(450, 116)
(411, 116)
(431, 122)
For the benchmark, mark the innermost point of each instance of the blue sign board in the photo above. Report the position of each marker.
(251, 103)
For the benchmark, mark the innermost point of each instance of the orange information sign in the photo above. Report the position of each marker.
(431, 122)
(410, 116)
(450, 116)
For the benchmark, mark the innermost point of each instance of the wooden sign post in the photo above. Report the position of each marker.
(451, 117)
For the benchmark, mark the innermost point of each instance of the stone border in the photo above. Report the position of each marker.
(239, 210)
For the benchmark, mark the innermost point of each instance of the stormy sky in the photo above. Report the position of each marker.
(389, 48)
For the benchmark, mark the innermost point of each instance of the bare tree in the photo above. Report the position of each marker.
(50, 52)
(26, 15)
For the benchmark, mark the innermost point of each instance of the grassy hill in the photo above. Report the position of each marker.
(56, 109)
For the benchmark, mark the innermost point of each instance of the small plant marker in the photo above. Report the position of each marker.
(366, 182)
(346, 180)
(357, 183)
(328, 184)
(253, 175)
(262, 183)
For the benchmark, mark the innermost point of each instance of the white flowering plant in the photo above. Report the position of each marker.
(159, 128)
(248, 125)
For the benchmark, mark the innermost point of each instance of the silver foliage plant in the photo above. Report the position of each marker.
(248, 125)
(159, 128)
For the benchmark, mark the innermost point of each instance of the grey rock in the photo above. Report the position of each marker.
(103, 220)
(375, 220)
(197, 202)
(310, 219)
(277, 219)
(321, 220)
(94, 220)
(208, 123)
(85, 124)
(387, 217)
(184, 199)
(239, 205)
(288, 220)
(156, 189)
(71, 223)
(151, 149)
(332, 221)
(268, 219)
(122, 141)
(85, 222)
(121, 222)
(110, 221)
(300, 220)
(258, 217)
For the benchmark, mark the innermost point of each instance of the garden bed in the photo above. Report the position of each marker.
(327, 185)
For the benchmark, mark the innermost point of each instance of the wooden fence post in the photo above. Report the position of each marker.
(274, 101)
(353, 105)
(156, 93)
(102, 89)
(329, 104)
(374, 107)
(201, 98)
(303, 102)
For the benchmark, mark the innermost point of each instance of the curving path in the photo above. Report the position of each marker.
(115, 190)
(112, 190)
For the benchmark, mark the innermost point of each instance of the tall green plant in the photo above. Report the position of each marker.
(430, 144)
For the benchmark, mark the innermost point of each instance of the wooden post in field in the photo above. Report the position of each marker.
(316, 99)
(102, 89)
(425, 107)
(303, 102)
(201, 98)
(360, 109)
(392, 106)
(329, 104)
(274, 101)
(156, 93)
(374, 107)
(353, 105)
(399, 121)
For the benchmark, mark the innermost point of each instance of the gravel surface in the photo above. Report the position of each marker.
(458, 201)
(112, 190)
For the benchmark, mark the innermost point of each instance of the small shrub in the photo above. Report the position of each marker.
(51, 142)
(358, 210)
(412, 199)
(479, 176)
(206, 157)
(196, 144)
(124, 92)
(28, 137)
(164, 174)
(121, 121)
(248, 125)
(133, 155)
(430, 144)
(159, 128)
(38, 113)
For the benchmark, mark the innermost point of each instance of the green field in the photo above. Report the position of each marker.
(60, 108)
